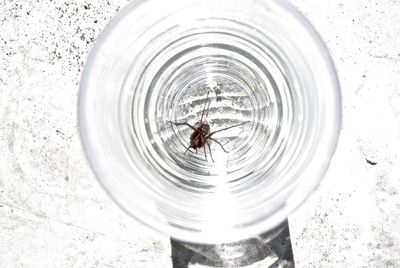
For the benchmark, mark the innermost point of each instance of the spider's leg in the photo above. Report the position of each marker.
(183, 124)
(209, 148)
(187, 149)
(205, 153)
(208, 108)
(204, 108)
(219, 144)
(222, 129)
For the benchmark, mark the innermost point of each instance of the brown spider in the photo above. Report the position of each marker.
(201, 133)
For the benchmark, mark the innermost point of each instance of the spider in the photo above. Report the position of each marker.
(201, 134)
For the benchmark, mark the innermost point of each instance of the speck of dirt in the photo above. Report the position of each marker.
(372, 163)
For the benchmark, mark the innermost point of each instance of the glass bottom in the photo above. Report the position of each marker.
(271, 249)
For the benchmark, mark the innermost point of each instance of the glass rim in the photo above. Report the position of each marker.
(314, 171)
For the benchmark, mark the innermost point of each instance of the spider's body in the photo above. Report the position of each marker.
(201, 133)
(198, 138)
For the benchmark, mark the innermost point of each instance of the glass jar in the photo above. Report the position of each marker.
(163, 69)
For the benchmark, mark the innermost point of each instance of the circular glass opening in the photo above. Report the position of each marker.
(209, 120)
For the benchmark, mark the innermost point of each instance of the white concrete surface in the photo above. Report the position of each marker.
(53, 212)
(353, 219)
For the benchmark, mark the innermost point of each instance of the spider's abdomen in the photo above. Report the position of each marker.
(197, 139)
(200, 142)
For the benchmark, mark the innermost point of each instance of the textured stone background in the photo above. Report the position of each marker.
(53, 212)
